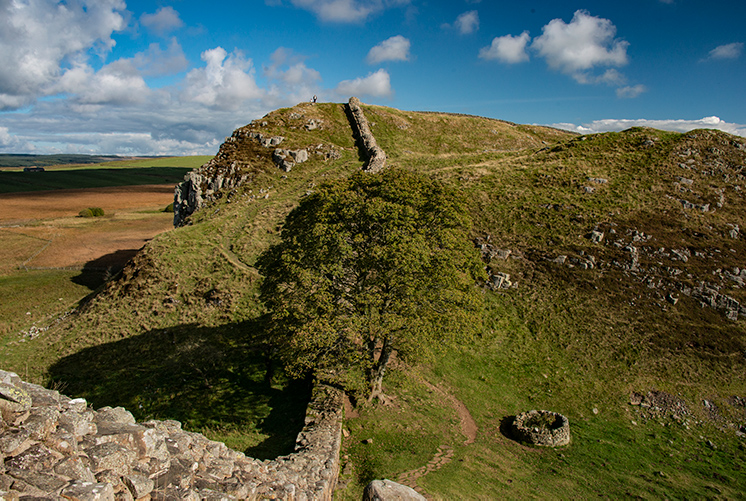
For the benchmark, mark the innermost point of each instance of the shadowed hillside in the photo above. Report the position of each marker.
(617, 283)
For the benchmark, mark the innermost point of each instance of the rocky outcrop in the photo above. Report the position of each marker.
(201, 185)
(286, 159)
(376, 156)
(55, 447)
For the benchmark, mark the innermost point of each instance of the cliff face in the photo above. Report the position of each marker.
(229, 169)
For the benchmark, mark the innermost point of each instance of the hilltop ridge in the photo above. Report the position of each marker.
(616, 264)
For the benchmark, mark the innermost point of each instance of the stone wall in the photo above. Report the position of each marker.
(376, 156)
(55, 447)
(544, 428)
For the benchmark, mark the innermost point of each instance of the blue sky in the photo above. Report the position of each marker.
(132, 77)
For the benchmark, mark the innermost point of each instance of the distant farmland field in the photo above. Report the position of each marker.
(50, 258)
(117, 173)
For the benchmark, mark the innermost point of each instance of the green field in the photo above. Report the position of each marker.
(117, 173)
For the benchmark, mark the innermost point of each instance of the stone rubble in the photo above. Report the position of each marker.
(55, 447)
(554, 430)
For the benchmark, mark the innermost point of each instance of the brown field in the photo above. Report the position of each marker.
(43, 229)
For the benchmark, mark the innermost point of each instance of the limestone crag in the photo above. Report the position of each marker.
(55, 447)
(376, 156)
(286, 159)
(240, 157)
(223, 171)
(201, 185)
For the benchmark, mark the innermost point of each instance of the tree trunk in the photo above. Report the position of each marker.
(376, 382)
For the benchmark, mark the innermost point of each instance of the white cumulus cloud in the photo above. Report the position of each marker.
(395, 48)
(468, 22)
(615, 125)
(630, 91)
(224, 83)
(376, 84)
(345, 11)
(507, 49)
(163, 21)
(727, 51)
(39, 37)
(118, 83)
(465, 23)
(10, 142)
(291, 80)
(158, 62)
(577, 47)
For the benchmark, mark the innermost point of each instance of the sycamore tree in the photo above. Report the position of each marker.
(366, 266)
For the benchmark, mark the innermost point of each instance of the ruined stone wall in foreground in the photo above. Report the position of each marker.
(56, 447)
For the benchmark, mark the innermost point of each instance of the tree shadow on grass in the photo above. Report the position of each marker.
(97, 271)
(205, 377)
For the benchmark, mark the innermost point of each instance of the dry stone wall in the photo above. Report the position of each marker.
(376, 156)
(56, 447)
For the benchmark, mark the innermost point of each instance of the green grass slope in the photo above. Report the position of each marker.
(641, 308)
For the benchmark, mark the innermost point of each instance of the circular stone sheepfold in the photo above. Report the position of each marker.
(545, 428)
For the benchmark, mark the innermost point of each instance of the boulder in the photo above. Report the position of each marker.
(286, 159)
(386, 490)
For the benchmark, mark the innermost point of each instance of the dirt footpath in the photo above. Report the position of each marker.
(43, 230)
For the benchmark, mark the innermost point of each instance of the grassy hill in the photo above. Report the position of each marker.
(624, 251)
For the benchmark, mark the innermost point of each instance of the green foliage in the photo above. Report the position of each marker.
(169, 207)
(366, 263)
(91, 212)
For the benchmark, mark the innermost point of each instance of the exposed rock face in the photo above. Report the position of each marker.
(55, 447)
(248, 151)
(238, 159)
(499, 281)
(223, 171)
(376, 155)
(200, 186)
(386, 490)
(286, 159)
